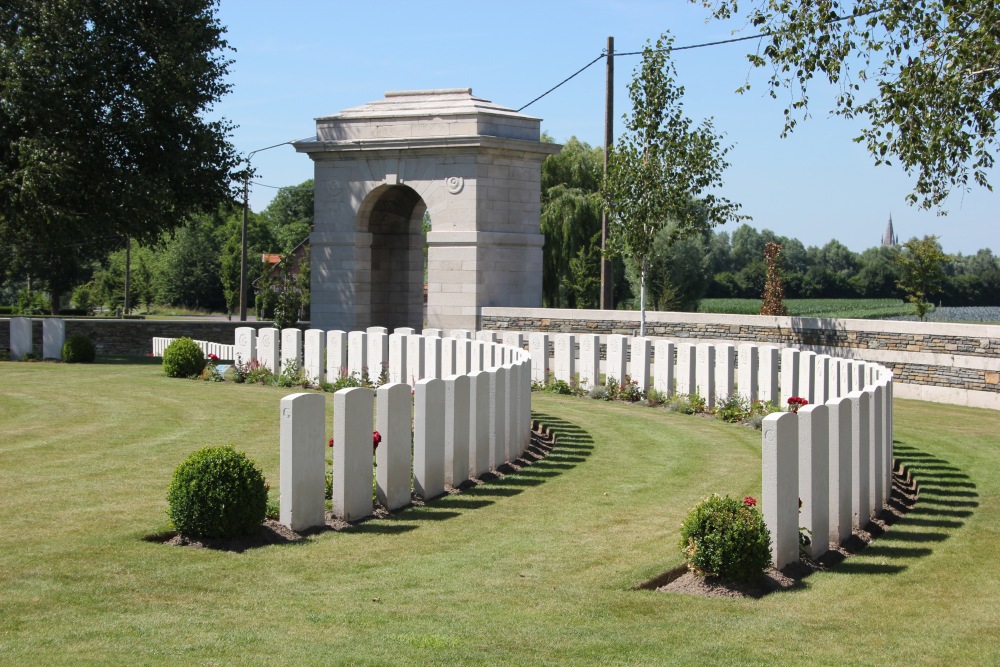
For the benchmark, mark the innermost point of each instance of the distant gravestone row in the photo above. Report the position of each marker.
(53, 337)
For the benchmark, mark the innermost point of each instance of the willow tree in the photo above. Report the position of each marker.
(659, 165)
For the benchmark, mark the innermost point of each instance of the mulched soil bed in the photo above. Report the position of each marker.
(272, 532)
(680, 580)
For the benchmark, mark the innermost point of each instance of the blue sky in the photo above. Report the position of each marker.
(300, 59)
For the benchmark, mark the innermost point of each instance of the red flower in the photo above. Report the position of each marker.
(376, 439)
(796, 402)
(213, 357)
(331, 443)
(750, 501)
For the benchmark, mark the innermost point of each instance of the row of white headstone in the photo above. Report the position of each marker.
(440, 431)
(221, 350)
(713, 371)
(53, 337)
(403, 355)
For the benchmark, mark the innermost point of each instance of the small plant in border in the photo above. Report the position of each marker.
(726, 538)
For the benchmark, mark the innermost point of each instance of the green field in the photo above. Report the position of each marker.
(835, 308)
(536, 569)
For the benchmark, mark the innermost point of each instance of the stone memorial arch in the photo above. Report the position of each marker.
(472, 165)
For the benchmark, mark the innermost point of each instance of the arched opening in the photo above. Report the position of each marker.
(393, 215)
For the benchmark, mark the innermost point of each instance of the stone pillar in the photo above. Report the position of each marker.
(398, 364)
(860, 458)
(814, 475)
(357, 353)
(53, 337)
(456, 429)
(448, 352)
(780, 485)
(432, 357)
(705, 373)
(616, 355)
(686, 383)
(415, 359)
(498, 416)
(789, 375)
(268, 342)
(378, 353)
(538, 347)
(392, 470)
(840, 419)
(315, 353)
(663, 372)
(770, 388)
(479, 423)
(352, 452)
(336, 354)
(590, 360)
(748, 370)
(245, 347)
(566, 359)
(302, 461)
(725, 360)
(428, 438)
(639, 349)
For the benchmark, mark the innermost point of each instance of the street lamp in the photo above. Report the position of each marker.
(246, 209)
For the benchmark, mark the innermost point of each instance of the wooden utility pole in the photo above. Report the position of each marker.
(607, 276)
(128, 274)
(243, 245)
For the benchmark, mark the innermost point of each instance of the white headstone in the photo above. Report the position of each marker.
(463, 356)
(398, 363)
(590, 360)
(686, 369)
(477, 360)
(511, 426)
(336, 354)
(538, 348)
(245, 345)
(353, 410)
(357, 353)
(371, 331)
(448, 352)
(807, 376)
(479, 423)
(432, 357)
(268, 344)
(616, 353)
(639, 351)
(565, 358)
(20, 337)
(415, 358)
(840, 469)
(291, 349)
(663, 371)
(725, 361)
(513, 339)
(392, 458)
(314, 354)
(302, 461)
(860, 458)
(461, 334)
(789, 374)
(487, 336)
(814, 475)
(769, 387)
(378, 354)
(428, 438)
(404, 331)
(780, 485)
(705, 373)
(748, 372)
(498, 416)
(456, 429)
(432, 333)
(53, 337)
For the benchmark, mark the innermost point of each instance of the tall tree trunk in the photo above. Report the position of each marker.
(642, 298)
(54, 298)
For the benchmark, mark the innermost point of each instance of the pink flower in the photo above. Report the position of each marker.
(750, 501)
(376, 439)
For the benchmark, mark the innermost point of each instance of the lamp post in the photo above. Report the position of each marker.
(243, 241)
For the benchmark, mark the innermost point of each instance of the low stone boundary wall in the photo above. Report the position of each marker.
(946, 363)
(468, 400)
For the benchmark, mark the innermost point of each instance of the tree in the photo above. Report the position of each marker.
(921, 271)
(934, 65)
(676, 273)
(659, 166)
(290, 216)
(103, 128)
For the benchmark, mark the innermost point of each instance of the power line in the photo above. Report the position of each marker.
(283, 187)
(567, 79)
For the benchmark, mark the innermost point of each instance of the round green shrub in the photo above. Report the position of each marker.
(726, 538)
(78, 350)
(183, 359)
(217, 492)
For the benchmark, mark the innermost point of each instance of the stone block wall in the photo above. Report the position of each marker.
(947, 363)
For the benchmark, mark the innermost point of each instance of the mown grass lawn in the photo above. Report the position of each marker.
(535, 569)
(835, 308)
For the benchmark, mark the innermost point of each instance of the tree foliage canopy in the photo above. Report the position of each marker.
(103, 128)
(923, 73)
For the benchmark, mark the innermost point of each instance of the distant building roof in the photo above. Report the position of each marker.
(890, 238)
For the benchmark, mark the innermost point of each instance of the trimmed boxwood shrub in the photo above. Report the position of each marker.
(217, 492)
(78, 350)
(183, 359)
(727, 538)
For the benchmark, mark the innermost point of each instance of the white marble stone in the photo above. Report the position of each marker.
(686, 364)
(725, 363)
(398, 363)
(823, 376)
(432, 332)
(416, 358)
(538, 348)
(314, 352)
(291, 348)
(789, 375)
(663, 370)
(461, 334)
(463, 356)
(448, 352)
(53, 337)
(513, 339)
(846, 377)
(487, 336)
(404, 331)
(302, 461)
(780, 485)
(590, 360)
(357, 353)
(511, 445)
(814, 475)
(353, 413)
(428, 438)
(807, 375)
(841, 420)
(878, 458)
(748, 371)
(20, 337)
(392, 458)
(615, 357)
(477, 356)
(378, 354)
(769, 386)
(336, 354)
(245, 345)
(432, 357)
(705, 373)
(371, 331)
(479, 423)
(860, 459)
(498, 417)
(456, 429)
(639, 364)
(268, 346)
(565, 358)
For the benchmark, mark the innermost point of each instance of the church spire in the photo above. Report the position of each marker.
(890, 238)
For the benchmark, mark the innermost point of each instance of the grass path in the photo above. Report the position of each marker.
(536, 569)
